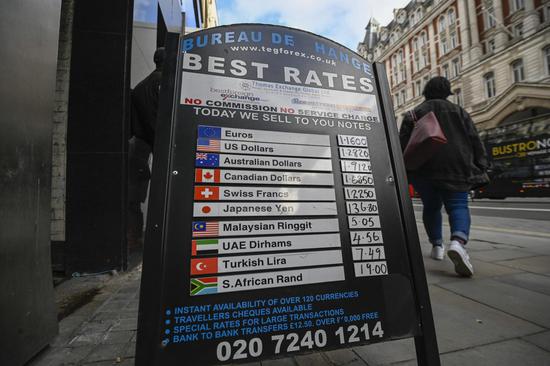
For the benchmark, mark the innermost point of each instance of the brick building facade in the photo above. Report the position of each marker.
(496, 53)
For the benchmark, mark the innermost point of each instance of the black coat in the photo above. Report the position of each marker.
(145, 99)
(459, 164)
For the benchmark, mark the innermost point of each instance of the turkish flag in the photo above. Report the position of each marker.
(207, 193)
(204, 266)
(207, 175)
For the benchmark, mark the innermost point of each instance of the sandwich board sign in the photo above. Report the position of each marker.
(279, 219)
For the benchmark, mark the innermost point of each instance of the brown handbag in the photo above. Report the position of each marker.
(426, 139)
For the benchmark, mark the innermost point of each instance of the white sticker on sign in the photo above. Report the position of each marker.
(372, 253)
(259, 148)
(241, 134)
(366, 237)
(357, 179)
(359, 166)
(349, 140)
(229, 193)
(202, 247)
(367, 269)
(263, 227)
(257, 281)
(243, 209)
(215, 265)
(356, 193)
(364, 222)
(354, 153)
(361, 207)
(262, 177)
(214, 160)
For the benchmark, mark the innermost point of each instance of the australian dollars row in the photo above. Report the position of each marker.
(215, 160)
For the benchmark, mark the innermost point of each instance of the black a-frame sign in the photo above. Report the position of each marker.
(279, 218)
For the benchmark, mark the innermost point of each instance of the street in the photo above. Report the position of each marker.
(510, 208)
(498, 318)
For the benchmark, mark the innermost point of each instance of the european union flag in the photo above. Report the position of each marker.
(207, 160)
(210, 132)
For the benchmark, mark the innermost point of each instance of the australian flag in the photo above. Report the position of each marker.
(207, 160)
(210, 132)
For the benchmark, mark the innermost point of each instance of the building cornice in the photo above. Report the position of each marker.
(427, 21)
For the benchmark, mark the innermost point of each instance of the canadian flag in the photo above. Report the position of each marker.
(207, 175)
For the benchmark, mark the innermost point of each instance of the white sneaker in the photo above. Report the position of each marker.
(461, 259)
(438, 252)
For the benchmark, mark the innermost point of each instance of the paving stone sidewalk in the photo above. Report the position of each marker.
(500, 317)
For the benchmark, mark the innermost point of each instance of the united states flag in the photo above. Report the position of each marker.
(208, 145)
(205, 229)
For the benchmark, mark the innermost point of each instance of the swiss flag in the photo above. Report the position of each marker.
(204, 266)
(207, 175)
(207, 193)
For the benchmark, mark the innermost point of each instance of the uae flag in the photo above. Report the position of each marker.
(204, 246)
(204, 266)
(203, 286)
(207, 175)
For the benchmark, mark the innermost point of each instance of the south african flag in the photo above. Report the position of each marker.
(205, 246)
(204, 286)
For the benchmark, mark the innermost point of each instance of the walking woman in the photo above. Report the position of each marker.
(447, 177)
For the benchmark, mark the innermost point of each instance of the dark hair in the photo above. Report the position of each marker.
(159, 56)
(437, 88)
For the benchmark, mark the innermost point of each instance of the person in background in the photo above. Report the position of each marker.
(448, 176)
(145, 98)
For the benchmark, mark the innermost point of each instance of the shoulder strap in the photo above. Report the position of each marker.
(413, 115)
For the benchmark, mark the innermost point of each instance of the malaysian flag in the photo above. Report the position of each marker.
(205, 229)
(204, 144)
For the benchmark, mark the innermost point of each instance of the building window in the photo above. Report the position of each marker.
(404, 95)
(401, 64)
(418, 88)
(489, 81)
(394, 70)
(517, 71)
(418, 14)
(546, 13)
(458, 97)
(546, 55)
(455, 71)
(445, 71)
(442, 23)
(490, 46)
(443, 46)
(518, 30)
(489, 20)
(451, 16)
(516, 5)
(454, 40)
